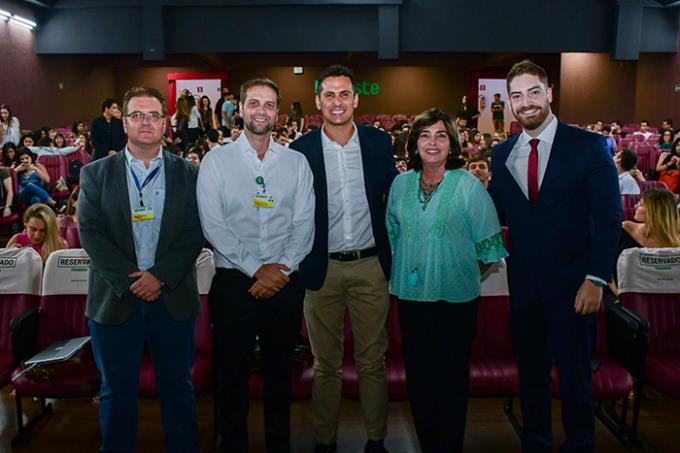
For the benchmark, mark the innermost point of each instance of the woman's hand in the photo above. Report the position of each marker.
(7, 212)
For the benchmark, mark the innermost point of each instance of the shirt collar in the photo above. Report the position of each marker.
(130, 158)
(326, 141)
(244, 145)
(547, 135)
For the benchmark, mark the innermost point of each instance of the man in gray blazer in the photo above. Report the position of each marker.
(138, 221)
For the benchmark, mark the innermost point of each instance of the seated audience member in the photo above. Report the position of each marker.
(32, 175)
(70, 217)
(665, 139)
(667, 125)
(611, 143)
(213, 137)
(656, 225)
(625, 162)
(9, 126)
(480, 167)
(644, 129)
(59, 140)
(6, 192)
(41, 233)
(10, 158)
(194, 156)
(78, 128)
(83, 141)
(27, 140)
(378, 125)
(668, 166)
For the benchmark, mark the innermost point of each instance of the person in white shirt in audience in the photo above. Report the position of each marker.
(644, 129)
(256, 202)
(625, 162)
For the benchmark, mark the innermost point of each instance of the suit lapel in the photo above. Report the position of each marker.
(505, 174)
(120, 181)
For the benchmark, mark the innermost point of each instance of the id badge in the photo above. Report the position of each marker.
(263, 200)
(141, 214)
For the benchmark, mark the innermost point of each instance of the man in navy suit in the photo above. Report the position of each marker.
(349, 265)
(556, 187)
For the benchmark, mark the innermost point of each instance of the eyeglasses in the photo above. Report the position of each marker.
(138, 117)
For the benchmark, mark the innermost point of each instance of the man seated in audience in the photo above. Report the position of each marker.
(625, 162)
(667, 124)
(479, 166)
(644, 129)
(213, 137)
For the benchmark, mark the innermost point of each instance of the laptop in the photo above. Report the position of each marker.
(59, 351)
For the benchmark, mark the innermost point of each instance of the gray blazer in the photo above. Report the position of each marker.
(105, 230)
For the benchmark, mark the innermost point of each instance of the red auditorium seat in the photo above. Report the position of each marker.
(13, 219)
(20, 277)
(646, 185)
(61, 316)
(202, 369)
(649, 284)
(57, 167)
(628, 203)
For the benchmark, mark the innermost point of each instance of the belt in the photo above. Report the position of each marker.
(353, 255)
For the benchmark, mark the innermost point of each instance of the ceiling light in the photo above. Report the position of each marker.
(21, 24)
(24, 20)
(4, 14)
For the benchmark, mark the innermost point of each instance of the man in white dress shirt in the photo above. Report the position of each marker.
(256, 202)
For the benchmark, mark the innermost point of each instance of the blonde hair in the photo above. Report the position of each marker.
(661, 217)
(45, 213)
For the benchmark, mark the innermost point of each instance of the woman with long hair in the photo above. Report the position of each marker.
(41, 233)
(206, 113)
(298, 115)
(9, 126)
(665, 139)
(10, 157)
(182, 122)
(59, 140)
(668, 166)
(32, 175)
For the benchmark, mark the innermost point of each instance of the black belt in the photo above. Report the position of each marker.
(353, 255)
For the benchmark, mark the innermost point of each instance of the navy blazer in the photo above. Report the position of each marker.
(379, 172)
(574, 227)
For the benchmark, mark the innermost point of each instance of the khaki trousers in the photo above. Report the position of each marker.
(360, 287)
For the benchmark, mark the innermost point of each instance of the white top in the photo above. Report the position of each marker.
(649, 270)
(628, 185)
(12, 133)
(518, 159)
(245, 237)
(349, 218)
(67, 272)
(194, 116)
(644, 134)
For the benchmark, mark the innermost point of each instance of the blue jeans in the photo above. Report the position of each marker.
(32, 193)
(118, 351)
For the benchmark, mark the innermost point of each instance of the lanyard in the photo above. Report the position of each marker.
(146, 182)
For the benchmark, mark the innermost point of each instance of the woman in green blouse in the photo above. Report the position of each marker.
(444, 233)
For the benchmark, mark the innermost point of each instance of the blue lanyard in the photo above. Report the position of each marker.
(148, 179)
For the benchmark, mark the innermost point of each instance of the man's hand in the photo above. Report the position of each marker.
(588, 299)
(258, 291)
(147, 287)
(272, 277)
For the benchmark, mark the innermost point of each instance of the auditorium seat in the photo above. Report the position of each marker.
(202, 369)
(20, 277)
(14, 219)
(61, 316)
(57, 167)
(649, 284)
(628, 203)
(646, 185)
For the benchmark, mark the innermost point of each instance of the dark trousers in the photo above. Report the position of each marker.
(118, 352)
(437, 337)
(237, 318)
(544, 332)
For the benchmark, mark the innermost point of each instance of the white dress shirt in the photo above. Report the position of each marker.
(245, 237)
(628, 185)
(349, 218)
(518, 159)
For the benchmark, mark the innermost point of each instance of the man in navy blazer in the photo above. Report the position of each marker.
(556, 189)
(349, 265)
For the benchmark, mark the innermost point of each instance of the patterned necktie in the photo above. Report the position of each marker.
(532, 173)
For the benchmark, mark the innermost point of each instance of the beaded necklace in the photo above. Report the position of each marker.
(426, 191)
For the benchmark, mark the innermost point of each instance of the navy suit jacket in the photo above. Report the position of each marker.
(379, 171)
(574, 227)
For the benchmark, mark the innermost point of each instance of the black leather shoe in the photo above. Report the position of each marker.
(326, 448)
(375, 446)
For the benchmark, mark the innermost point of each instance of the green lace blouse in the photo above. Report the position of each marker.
(436, 250)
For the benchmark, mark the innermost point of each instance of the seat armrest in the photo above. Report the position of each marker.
(627, 338)
(24, 335)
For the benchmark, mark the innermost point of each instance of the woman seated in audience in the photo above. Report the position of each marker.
(9, 126)
(32, 175)
(41, 233)
(665, 140)
(668, 166)
(10, 158)
(6, 192)
(656, 225)
(27, 140)
(83, 141)
(78, 128)
(70, 217)
(444, 233)
(59, 140)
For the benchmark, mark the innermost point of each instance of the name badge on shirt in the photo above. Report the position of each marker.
(263, 200)
(141, 214)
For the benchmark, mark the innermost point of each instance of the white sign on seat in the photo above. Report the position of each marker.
(205, 270)
(20, 271)
(646, 270)
(66, 273)
(495, 280)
